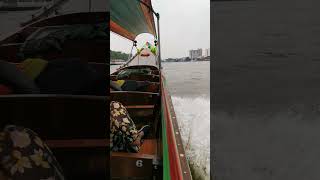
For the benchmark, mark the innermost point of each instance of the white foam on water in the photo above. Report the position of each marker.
(193, 114)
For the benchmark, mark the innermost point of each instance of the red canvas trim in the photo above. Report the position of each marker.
(114, 27)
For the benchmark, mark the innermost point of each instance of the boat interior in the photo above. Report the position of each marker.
(144, 108)
(18, 46)
(73, 125)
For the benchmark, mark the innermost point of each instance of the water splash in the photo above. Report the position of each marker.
(193, 115)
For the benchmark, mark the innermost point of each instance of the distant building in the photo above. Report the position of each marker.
(117, 60)
(206, 52)
(194, 54)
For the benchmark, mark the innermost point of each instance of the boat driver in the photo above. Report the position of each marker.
(153, 48)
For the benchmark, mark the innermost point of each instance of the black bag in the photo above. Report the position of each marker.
(71, 76)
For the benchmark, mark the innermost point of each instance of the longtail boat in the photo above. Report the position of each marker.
(74, 126)
(162, 154)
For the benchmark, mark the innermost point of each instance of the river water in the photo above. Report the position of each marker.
(189, 86)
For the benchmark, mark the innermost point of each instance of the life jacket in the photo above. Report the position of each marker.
(32, 67)
(154, 50)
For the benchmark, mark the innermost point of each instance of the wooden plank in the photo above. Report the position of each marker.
(77, 143)
(140, 107)
(133, 98)
(127, 164)
(146, 77)
(147, 150)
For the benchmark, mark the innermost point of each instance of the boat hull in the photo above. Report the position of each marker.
(174, 159)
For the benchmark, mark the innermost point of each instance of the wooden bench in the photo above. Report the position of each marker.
(143, 107)
(132, 98)
(56, 116)
(138, 165)
(122, 164)
(147, 86)
(146, 77)
(75, 128)
(154, 70)
(60, 118)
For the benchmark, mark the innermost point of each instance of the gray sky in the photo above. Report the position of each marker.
(184, 25)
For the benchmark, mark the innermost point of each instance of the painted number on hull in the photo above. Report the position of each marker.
(139, 163)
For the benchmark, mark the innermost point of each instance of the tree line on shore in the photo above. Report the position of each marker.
(118, 55)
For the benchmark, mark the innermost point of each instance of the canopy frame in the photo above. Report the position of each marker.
(157, 30)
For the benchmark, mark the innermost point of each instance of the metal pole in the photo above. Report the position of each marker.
(130, 55)
(159, 46)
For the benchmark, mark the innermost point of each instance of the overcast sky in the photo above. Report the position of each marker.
(184, 25)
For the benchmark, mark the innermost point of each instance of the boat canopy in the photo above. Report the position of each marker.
(145, 57)
(129, 18)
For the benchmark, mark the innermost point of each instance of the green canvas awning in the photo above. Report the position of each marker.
(129, 18)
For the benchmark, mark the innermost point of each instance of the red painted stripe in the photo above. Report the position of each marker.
(174, 159)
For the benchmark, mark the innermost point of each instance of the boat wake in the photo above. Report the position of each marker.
(193, 116)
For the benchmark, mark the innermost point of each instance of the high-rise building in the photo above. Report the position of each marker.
(206, 52)
(194, 54)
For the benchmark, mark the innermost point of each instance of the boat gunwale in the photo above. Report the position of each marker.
(184, 172)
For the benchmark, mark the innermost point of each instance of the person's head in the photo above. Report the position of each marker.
(148, 45)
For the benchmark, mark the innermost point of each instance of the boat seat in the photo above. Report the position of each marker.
(145, 77)
(153, 72)
(145, 86)
(79, 49)
(137, 165)
(132, 98)
(122, 164)
(148, 147)
(141, 111)
(142, 107)
(56, 116)
(63, 117)
(90, 154)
